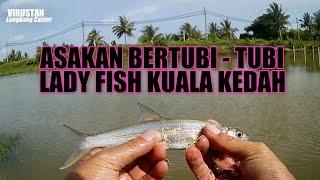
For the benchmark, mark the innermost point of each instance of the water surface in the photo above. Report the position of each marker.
(289, 124)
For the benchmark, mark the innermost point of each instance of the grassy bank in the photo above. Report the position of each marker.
(17, 67)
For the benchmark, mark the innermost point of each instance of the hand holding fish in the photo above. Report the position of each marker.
(140, 158)
(135, 152)
(257, 161)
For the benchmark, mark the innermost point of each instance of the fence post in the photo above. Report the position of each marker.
(305, 55)
(294, 54)
(319, 54)
(312, 53)
(7, 51)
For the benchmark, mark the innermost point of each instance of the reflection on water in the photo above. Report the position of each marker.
(311, 64)
(289, 123)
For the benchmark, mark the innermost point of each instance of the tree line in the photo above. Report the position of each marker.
(272, 25)
(16, 56)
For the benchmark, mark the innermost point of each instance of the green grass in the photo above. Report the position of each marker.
(17, 67)
(7, 145)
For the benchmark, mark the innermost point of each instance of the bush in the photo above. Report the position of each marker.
(7, 144)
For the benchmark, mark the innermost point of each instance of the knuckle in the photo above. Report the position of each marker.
(131, 144)
(111, 164)
(261, 148)
(261, 145)
(229, 139)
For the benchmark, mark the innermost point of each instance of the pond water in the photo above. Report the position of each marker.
(289, 124)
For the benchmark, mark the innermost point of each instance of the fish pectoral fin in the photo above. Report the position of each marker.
(73, 159)
(147, 114)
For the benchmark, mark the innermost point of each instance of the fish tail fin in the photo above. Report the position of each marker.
(79, 153)
(73, 158)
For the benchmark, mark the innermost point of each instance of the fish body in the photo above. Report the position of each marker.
(175, 133)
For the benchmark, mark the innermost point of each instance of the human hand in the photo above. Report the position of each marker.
(257, 161)
(140, 158)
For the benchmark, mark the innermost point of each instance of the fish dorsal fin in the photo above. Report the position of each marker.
(81, 134)
(147, 114)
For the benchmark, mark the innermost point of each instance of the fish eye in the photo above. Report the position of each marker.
(239, 134)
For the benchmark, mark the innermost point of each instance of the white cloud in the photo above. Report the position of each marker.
(142, 12)
(14, 4)
(110, 19)
(19, 2)
(16, 38)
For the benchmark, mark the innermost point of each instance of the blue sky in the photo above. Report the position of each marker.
(68, 12)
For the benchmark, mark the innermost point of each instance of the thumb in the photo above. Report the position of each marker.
(221, 142)
(128, 152)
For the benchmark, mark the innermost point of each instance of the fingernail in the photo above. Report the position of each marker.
(191, 145)
(213, 129)
(149, 135)
(200, 138)
(168, 162)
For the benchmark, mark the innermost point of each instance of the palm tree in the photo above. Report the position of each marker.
(213, 30)
(18, 56)
(172, 37)
(188, 31)
(227, 30)
(149, 34)
(95, 39)
(307, 22)
(186, 27)
(113, 42)
(168, 37)
(316, 20)
(12, 55)
(278, 18)
(124, 28)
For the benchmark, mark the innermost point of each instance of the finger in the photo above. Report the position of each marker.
(203, 144)
(224, 162)
(158, 153)
(126, 153)
(125, 176)
(91, 153)
(197, 164)
(226, 144)
(208, 154)
(136, 173)
(209, 159)
(159, 171)
(213, 122)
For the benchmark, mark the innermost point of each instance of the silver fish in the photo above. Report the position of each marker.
(176, 133)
